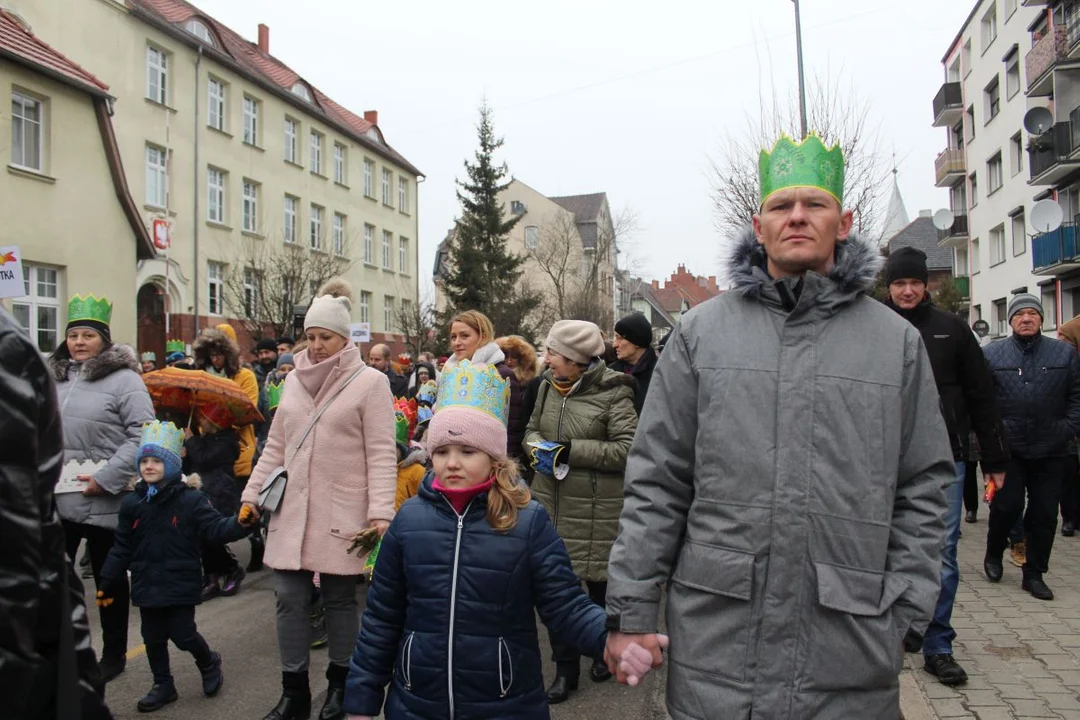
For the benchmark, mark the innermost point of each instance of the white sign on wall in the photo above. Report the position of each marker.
(360, 332)
(11, 272)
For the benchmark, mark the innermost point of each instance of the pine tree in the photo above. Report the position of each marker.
(482, 274)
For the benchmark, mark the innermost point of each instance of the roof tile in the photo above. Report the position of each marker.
(18, 43)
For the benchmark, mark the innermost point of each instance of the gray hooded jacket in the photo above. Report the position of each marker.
(786, 484)
(103, 405)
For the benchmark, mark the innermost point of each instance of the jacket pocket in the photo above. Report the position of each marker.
(851, 623)
(506, 669)
(405, 661)
(709, 608)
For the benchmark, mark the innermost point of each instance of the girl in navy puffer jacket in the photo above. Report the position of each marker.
(450, 621)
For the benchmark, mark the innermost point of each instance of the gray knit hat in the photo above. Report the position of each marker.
(576, 340)
(1021, 301)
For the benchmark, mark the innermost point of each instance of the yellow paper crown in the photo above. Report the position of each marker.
(479, 387)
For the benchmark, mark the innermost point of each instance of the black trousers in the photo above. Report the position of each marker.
(1041, 477)
(114, 619)
(1070, 489)
(972, 491)
(217, 558)
(567, 657)
(176, 623)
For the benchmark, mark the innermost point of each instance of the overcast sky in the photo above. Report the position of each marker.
(626, 97)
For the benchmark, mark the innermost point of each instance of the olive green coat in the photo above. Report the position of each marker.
(599, 420)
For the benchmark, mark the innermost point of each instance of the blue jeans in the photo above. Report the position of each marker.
(939, 636)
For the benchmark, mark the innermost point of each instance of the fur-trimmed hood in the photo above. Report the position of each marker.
(108, 361)
(212, 340)
(857, 265)
(416, 456)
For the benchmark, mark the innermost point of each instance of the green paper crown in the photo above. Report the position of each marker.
(401, 427)
(93, 308)
(175, 346)
(802, 164)
(479, 387)
(273, 393)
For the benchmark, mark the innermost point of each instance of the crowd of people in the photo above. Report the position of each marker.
(476, 491)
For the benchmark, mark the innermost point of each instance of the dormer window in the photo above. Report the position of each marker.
(199, 30)
(300, 90)
(373, 134)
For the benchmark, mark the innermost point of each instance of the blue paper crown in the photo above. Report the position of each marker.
(479, 387)
(159, 439)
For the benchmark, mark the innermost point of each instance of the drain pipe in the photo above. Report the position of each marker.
(195, 216)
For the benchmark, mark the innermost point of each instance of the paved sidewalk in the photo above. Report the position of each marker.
(1022, 655)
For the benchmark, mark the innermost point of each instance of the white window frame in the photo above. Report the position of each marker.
(157, 75)
(1018, 222)
(403, 255)
(403, 195)
(1013, 82)
(1048, 295)
(387, 245)
(340, 176)
(973, 195)
(200, 31)
(292, 217)
(1016, 154)
(251, 120)
(973, 256)
(215, 103)
(215, 288)
(292, 139)
(388, 313)
(157, 176)
(339, 234)
(216, 182)
(369, 244)
(1000, 327)
(315, 223)
(23, 127)
(316, 152)
(251, 293)
(369, 178)
(997, 245)
(1010, 8)
(989, 27)
(532, 237)
(386, 197)
(250, 206)
(42, 300)
(995, 173)
(365, 306)
(992, 98)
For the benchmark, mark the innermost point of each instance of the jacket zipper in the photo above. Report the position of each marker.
(503, 689)
(406, 661)
(453, 602)
(558, 490)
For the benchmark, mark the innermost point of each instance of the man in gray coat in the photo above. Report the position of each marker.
(787, 478)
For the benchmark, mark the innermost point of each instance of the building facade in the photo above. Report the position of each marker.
(268, 184)
(66, 203)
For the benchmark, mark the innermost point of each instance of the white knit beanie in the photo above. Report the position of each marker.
(577, 340)
(330, 310)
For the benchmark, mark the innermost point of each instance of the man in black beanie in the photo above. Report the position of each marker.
(968, 398)
(266, 354)
(633, 347)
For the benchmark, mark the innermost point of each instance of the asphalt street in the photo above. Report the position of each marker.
(241, 628)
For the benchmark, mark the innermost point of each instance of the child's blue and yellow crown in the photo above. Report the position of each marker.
(479, 387)
(162, 440)
(807, 163)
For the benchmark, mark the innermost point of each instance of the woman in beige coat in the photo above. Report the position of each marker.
(341, 479)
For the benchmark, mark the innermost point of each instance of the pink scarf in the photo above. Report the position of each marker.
(313, 375)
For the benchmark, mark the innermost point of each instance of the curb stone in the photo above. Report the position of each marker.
(913, 702)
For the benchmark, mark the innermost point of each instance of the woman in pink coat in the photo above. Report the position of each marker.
(341, 479)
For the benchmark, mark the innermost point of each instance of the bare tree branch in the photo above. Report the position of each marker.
(417, 322)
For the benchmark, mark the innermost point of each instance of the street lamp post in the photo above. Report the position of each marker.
(802, 77)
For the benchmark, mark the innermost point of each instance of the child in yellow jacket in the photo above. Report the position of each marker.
(412, 466)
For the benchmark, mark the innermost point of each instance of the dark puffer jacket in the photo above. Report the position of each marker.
(1038, 388)
(429, 632)
(516, 418)
(47, 664)
(158, 539)
(642, 372)
(212, 457)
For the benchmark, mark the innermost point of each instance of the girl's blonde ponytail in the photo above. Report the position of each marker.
(508, 495)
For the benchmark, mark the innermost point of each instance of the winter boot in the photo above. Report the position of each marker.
(295, 702)
(1033, 583)
(335, 693)
(160, 695)
(211, 675)
(211, 588)
(231, 586)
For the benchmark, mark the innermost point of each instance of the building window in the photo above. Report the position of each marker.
(369, 243)
(339, 163)
(973, 258)
(970, 123)
(1010, 8)
(292, 209)
(315, 238)
(406, 308)
(215, 104)
(215, 293)
(251, 293)
(532, 237)
(200, 31)
(999, 324)
(300, 90)
(1016, 154)
(992, 96)
(386, 198)
(251, 120)
(403, 195)
(38, 312)
(974, 181)
(215, 195)
(997, 245)
(1012, 75)
(365, 307)
(157, 183)
(965, 57)
(387, 241)
(369, 178)
(251, 206)
(157, 75)
(994, 173)
(1019, 234)
(292, 138)
(1049, 303)
(989, 27)
(316, 152)
(339, 234)
(388, 313)
(403, 255)
(960, 262)
(27, 123)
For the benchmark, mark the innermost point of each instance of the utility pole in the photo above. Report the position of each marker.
(802, 76)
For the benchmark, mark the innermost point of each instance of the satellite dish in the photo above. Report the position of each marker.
(944, 219)
(1038, 120)
(1046, 216)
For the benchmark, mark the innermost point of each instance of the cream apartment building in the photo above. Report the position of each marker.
(63, 195)
(235, 148)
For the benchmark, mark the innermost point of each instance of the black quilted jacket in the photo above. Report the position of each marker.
(1038, 390)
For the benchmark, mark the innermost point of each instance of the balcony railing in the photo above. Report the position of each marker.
(963, 285)
(1043, 55)
(949, 166)
(948, 104)
(959, 228)
(1050, 149)
(1054, 247)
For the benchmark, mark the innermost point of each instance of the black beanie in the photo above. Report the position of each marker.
(906, 262)
(96, 325)
(266, 344)
(636, 328)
